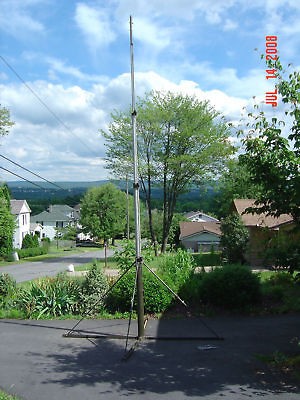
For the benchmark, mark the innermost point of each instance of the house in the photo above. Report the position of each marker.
(199, 216)
(200, 236)
(262, 228)
(36, 229)
(58, 216)
(21, 211)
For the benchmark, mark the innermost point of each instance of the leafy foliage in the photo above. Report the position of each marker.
(207, 259)
(232, 287)
(125, 257)
(157, 298)
(271, 158)
(7, 285)
(30, 241)
(284, 251)
(175, 268)
(180, 140)
(5, 122)
(93, 288)
(234, 239)
(32, 252)
(50, 297)
(235, 183)
(7, 223)
(103, 212)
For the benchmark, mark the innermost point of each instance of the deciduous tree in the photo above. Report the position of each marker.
(103, 212)
(180, 140)
(272, 151)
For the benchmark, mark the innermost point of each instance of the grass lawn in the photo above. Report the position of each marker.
(53, 252)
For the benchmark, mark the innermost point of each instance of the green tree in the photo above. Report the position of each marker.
(7, 223)
(234, 239)
(5, 122)
(272, 151)
(180, 140)
(103, 212)
(235, 183)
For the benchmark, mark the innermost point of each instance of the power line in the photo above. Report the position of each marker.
(45, 105)
(33, 173)
(19, 176)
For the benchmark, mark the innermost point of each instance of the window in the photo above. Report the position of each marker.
(24, 219)
(59, 224)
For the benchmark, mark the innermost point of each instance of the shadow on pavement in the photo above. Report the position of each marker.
(178, 369)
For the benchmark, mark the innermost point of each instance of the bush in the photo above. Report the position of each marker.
(234, 239)
(7, 285)
(207, 259)
(126, 256)
(232, 287)
(176, 268)
(157, 297)
(93, 288)
(50, 297)
(30, 241)
(32, 252)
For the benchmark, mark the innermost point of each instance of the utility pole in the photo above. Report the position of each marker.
(138, 255)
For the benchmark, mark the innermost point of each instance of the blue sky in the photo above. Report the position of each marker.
(74, 55)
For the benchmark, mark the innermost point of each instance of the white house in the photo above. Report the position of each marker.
(21, 211)
(200, 216)
(57, 216)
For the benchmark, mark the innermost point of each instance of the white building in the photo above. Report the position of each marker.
(21, 211)
(59, 216)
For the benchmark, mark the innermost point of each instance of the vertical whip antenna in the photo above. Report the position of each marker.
(138, 259)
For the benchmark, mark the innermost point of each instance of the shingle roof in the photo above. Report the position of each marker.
(262, 220)
(17, 205)
(54, 216)
(192, 228)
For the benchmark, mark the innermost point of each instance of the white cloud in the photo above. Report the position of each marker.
(95, 25)
(16, 18)
(149, 33)
(39, 142)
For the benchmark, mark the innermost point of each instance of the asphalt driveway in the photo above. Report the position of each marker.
(38, 363)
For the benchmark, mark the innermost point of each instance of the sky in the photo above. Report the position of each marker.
(65, 67)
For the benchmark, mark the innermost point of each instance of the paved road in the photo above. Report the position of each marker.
(32, 270)
(38, 363)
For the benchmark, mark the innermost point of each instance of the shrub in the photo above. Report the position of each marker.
(157, 297)
(30, 241)
(207, 259)
(126, 257)
(50, 297)
(176, 268)
(284, 252)
(32, 252)
(7, 285)
(234, 239)
(233, 287)
(94, 286)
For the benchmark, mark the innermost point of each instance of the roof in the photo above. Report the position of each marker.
(262, 220)
(60, 208)
(188, 228)
(200, 215)
(18, 206)
(54, 216)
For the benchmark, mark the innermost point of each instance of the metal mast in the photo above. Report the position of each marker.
(138, 259)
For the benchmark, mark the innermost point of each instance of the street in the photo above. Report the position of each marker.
(35, 269)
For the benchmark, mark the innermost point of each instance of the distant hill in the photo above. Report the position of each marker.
(25, 190)
(72, 192)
